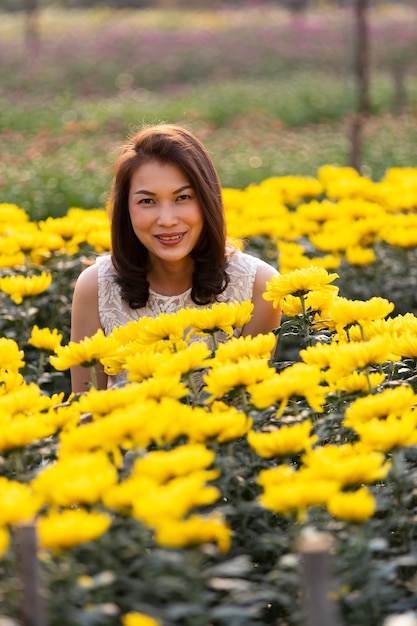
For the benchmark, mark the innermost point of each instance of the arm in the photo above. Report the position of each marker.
(265, 317)
(85, 322)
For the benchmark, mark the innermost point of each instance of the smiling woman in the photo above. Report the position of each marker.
(169, 245)
(168, 221)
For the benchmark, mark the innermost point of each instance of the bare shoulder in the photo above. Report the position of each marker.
(88, 279)
(84, 313)
(264, 273)
(265, 317)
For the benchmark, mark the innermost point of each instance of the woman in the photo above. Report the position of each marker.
(169, 248)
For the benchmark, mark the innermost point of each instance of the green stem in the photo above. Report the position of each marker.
(93, 375)
(306, 321)
(368, 378)
(192, 386)
(215, 342)
(41, 363)
(244, 399)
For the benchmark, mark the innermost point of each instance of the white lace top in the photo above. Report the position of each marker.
(114, 311)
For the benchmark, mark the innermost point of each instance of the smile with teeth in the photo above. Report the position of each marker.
(170, 238)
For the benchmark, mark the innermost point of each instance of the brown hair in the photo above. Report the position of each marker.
(169, 143)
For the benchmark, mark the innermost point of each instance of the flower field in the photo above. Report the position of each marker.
(182, 496)
(269, 95)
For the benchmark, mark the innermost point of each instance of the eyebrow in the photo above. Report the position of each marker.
(144, 192)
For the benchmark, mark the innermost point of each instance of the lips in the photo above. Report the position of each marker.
(171, 238)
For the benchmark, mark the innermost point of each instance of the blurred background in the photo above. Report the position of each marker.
(272, 88)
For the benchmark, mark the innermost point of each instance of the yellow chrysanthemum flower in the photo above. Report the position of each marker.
(315, 301)
(336, 237)
(26, 400)
(225, 377)
(194, 530)
(296, 492)
(18, 503)
(127, 348)
(144, 364)
(287, 441)
(150, 330)
(364, 214)
(343, 182)
(387, 403)
(258, 347)
(357, 506)
(45, 339)
(43, 244)
(86, 353)
(406, 344)
(345, 312)
(393, 432)
(296, 380)
(402, 324)
(19, 287)
(100, 239)
(76, 479)
(370, 329)
(299, 283)
(9, 245)
(174, 499)
(10, 381)
(320, 355)
(356, 382)
(164, 429)
(326, 261)
(69, 528)
(220, 317)
(18, 431)
(62, 417)
(119, 428)
(402, 234)
(164, 363)
(349, 464)
(11, 356)
(161, 386)
(359, 255)
(292, 189)
(12, 260)
(12, 214)
(318, 211)
(161, 465)
(222, 424)
(139, 619)
(4, 541)
(102, 402)
(276, 475)
(356, 356)
(120, 497)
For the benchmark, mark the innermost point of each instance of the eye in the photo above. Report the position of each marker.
(146, 201)
(183, 197)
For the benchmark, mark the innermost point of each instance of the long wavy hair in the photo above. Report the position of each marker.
(168, 143)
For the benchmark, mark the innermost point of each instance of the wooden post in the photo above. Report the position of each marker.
(361, 72)
(32, 37)
(32, 606)
(319, 609)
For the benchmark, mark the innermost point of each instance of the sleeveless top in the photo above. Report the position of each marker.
(114, 311)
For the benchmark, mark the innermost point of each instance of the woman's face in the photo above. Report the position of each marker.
(165, 213)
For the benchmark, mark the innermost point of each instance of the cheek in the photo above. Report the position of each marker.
(199, 218)
(138, 220)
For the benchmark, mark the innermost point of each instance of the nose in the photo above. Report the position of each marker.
(167, 214)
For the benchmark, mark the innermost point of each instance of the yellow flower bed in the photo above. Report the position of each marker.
(313, 441)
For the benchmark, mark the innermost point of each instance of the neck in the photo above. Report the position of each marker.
(171, 280)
